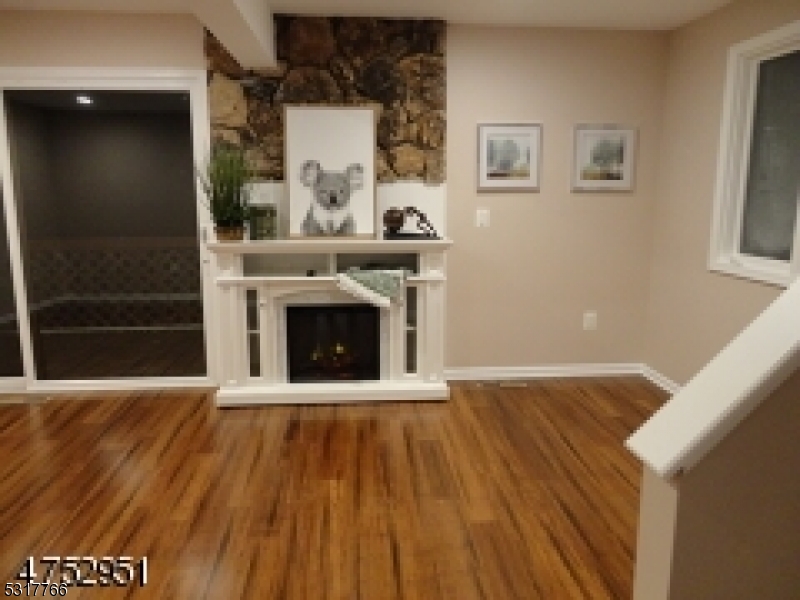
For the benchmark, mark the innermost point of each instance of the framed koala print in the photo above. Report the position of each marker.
(330, 170)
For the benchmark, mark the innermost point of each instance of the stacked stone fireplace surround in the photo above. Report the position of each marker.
(395, 66)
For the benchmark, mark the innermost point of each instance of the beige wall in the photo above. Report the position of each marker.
(739, 510)
(637, 258)
(517, 290)
(64, 39)
(692, 312)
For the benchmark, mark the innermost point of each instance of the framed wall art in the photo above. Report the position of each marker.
(604, 158)
(509, 156)
(330, 170)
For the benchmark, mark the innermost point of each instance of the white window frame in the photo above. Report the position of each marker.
(744, 61)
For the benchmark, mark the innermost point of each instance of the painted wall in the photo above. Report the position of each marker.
(122, 174)
(692, 312)
(517, 289)
(553, 254)
(755, 520)
(92, 174)
(64, 39)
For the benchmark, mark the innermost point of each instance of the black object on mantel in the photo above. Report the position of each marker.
(395, 218)
(409, 235)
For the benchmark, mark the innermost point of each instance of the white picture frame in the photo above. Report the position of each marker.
(604, 158)
(329, 170)
(509, 156)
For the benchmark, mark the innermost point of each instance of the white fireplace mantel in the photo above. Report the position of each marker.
(331, 246)
(402, 333)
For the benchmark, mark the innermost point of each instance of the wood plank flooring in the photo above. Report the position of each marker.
(502, 492)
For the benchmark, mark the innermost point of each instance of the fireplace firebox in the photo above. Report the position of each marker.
(337, 342)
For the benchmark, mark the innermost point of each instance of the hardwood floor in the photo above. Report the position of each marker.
(502, 492)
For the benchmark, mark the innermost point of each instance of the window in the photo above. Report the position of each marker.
(756, 232)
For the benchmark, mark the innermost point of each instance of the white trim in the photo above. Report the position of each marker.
(541, 372)
(14, 243)
(304, 281)
(117, 385)
(733, 161)
(662, 381)
(419, 390)
(127, 78)
(11, 385)
(316, 393)
(331, 245)
(564, 370)
(655, 540)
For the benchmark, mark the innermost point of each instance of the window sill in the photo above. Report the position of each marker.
(759, 270)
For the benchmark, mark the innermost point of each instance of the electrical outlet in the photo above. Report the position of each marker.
(590, 320)
(482, 217)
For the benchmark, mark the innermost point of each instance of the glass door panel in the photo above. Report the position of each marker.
(108, 222)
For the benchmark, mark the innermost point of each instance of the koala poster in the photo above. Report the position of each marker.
(330, 171)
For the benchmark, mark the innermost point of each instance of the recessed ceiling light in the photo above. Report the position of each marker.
(83, 99)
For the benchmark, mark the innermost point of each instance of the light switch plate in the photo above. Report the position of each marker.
(482, 217)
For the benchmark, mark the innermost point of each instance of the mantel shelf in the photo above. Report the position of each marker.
(330, 246)
(311, 281)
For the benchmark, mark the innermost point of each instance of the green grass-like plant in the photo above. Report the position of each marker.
(224, 178)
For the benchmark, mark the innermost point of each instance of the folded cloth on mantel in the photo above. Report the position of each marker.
(380, 287)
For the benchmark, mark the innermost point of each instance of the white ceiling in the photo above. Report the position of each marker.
(606, 14)
(245, 28)
(614, 14)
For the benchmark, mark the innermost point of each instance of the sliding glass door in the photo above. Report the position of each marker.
(105, 193)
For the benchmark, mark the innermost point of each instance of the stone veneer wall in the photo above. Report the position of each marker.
(396, 66)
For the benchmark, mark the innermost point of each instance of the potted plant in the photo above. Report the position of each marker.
(224, 180)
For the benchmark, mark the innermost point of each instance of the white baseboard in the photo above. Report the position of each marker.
(569, 370)
(12, 390)
(662, 381)
(332, 393)
(118, 385)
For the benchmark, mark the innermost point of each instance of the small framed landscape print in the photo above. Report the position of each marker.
(509, 156)
(330, 171)
(604, 158)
